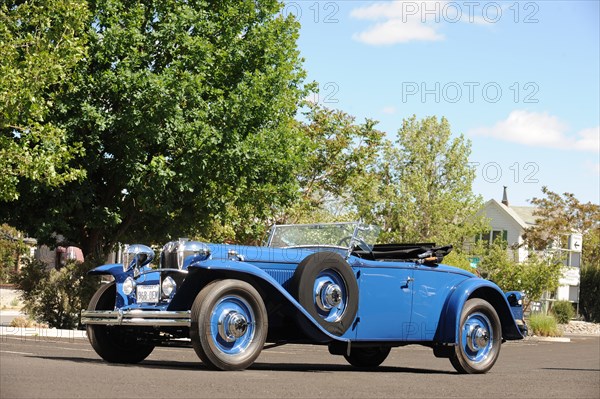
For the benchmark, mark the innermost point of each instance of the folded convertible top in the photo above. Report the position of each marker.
(420, 251)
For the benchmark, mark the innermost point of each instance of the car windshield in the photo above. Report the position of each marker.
(342, 235)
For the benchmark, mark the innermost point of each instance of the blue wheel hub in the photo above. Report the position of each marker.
(476, 337)
(330, 296)
(232, 325)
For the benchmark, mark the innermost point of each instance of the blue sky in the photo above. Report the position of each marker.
(520, 79)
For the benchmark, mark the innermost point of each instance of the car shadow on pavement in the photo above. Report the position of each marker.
(307, 367)
(284, 367)
(165, 364)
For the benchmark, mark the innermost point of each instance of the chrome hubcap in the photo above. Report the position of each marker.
(328, 295)
(232, 325)
(477, 337)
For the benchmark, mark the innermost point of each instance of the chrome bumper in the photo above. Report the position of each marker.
(137, 317)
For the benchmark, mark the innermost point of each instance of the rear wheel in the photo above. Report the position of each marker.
(229, 325)
(113, 343)
(368, 357)
(479, 340)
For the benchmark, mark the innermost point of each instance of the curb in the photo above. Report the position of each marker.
(11, 312)
(550, 339)
(42, 333)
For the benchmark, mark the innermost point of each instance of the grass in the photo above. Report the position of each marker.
(545, 326)
(24, 322)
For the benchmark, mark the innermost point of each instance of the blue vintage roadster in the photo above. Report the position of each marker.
(323, 284)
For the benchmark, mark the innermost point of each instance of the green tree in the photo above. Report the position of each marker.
(534, 276)
(185, 111)
(336, 153)
(421, 189)
(589, 296)
(40, 44)
(12, 249)
(560, 216)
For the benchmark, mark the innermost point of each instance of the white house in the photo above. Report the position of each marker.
(510, 223)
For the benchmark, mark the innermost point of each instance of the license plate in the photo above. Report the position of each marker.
(147, 293)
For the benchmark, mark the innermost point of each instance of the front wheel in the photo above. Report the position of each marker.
(479, 340)
(113, 343)
(229, 325)
(368, 357)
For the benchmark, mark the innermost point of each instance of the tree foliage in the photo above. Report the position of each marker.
(420, 189)
(589, 296)
(41, 42)
(559, 216)
(185, 111)
(535, 276)
(336, 153)
(12, 249)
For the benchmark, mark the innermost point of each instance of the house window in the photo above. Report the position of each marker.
(493, 235)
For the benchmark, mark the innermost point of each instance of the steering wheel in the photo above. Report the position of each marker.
(344, 242)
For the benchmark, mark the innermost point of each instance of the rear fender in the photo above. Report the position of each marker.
(200, 273)
(448, 330)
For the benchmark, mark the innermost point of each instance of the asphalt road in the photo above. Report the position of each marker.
(36, 367)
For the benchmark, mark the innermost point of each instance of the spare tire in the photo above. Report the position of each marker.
(325, 285)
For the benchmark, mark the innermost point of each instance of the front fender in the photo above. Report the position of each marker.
(448, 330)
(112, 269)
(237, 269)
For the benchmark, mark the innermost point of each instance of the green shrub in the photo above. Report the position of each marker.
(55, 296)
(545, 326)
(563, 311)
(12, 249)
(589, 293)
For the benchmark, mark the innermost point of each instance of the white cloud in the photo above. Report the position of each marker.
(396, 22)
(395, 31)
(389, 110)
(541, 130)
(404, 21)
(589, 139)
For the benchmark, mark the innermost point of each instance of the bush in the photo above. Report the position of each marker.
(24, 322)
(589, 293)
(545, 326)
(54, 296)
(563, 311)
(12, 249)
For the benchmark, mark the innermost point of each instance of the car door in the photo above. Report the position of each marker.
(385, 301)
(431, 286)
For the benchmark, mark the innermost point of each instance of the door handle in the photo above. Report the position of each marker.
(408, 281)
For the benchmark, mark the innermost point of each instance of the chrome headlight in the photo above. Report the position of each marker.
(168, 286)
(128, 285)
(187, 248)
(137, 255)
(174, 253)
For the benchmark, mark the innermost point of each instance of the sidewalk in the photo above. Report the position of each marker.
(41, 333)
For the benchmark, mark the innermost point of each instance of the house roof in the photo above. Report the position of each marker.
(522, 215)
(526, 214)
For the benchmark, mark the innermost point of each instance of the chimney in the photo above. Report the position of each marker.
(505, 197)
